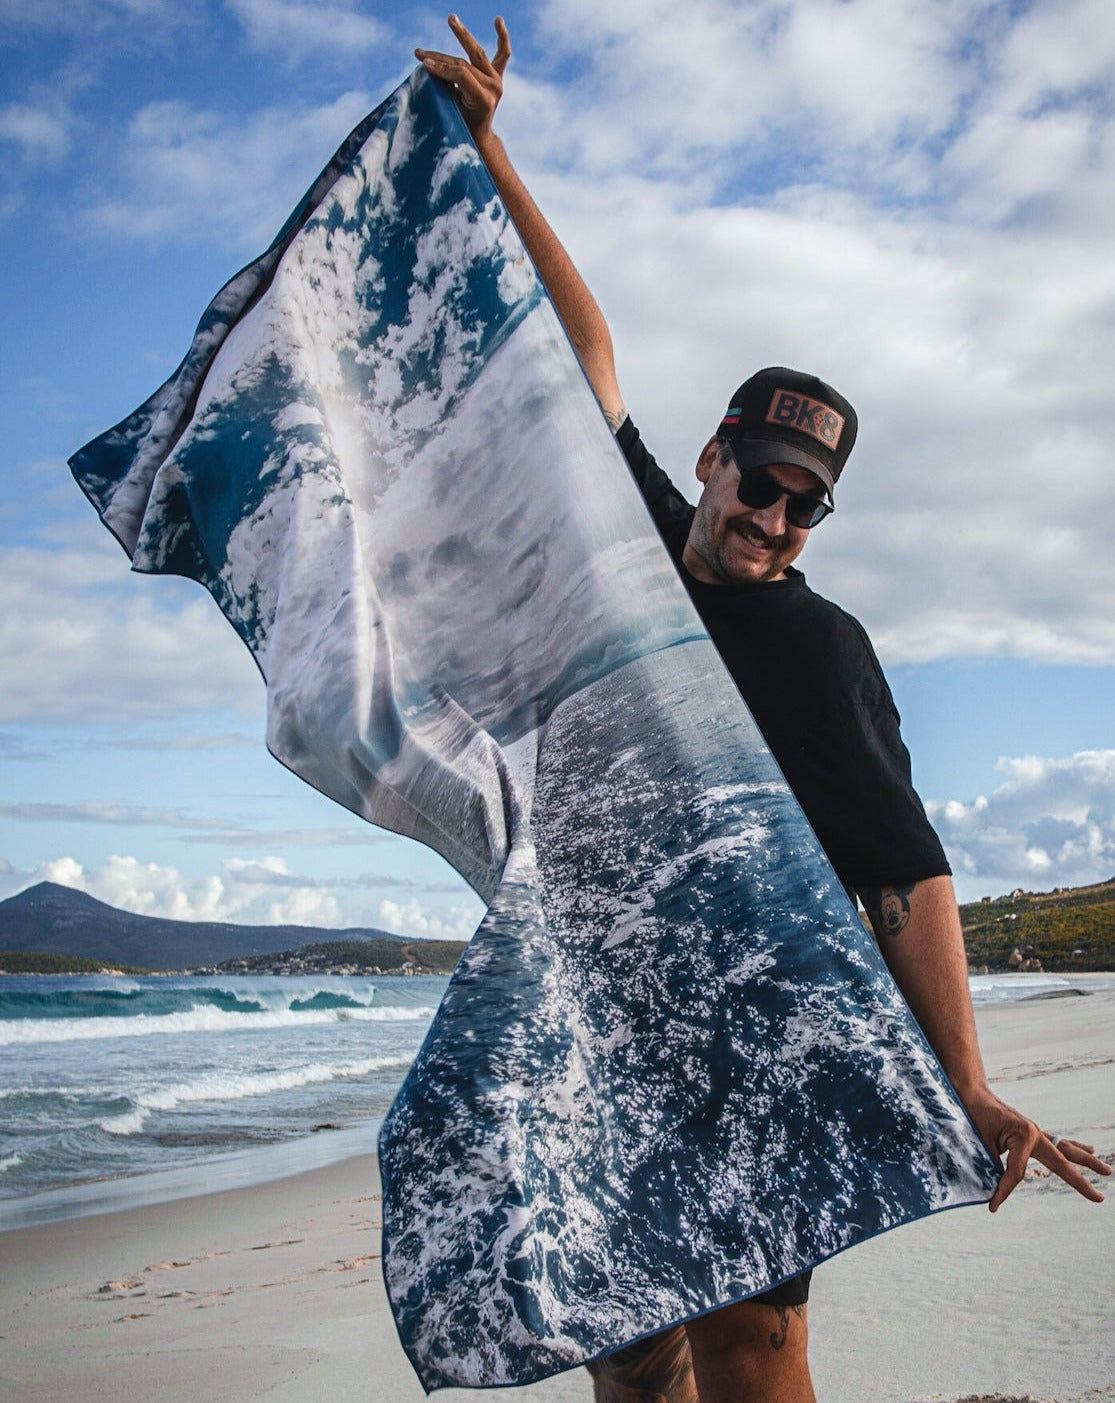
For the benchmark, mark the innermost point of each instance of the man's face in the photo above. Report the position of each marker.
(732, 544)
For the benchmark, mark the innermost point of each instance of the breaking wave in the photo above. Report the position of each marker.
(200, 1019)
(224, 1087)
(64, 1015)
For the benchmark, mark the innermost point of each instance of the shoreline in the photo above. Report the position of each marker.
(259, 1164)
(275, 1291)
(242, 1169)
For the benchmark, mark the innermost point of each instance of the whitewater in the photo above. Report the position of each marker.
(105, 1078)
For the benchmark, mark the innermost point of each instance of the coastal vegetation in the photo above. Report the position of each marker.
(1069, 930)
(354, 957)
(43, 962)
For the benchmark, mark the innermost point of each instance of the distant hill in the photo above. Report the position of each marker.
(49, 919)
(1072, 928)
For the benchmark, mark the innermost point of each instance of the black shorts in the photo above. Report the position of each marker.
(794, 1292)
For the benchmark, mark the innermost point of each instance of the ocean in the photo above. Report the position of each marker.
(116, 1091)
(119, 1090)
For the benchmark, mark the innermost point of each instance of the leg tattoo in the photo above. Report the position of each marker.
(778, 1338)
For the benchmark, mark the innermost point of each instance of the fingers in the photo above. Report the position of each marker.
(1061, 1158)
(472, 47)
(456, 71)
(1026, 1143)
(1008, 1132)
(503, 46)
(477, 81)
(475, 50)
(1019, 1147)
(1080, 1153)
(445, 66)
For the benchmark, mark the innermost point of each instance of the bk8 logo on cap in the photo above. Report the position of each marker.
(809, 415)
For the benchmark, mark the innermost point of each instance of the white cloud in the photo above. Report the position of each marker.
(42, 133)
(800, 86)
(193, 741)
(193, 175)
(415, 918)
(245, 893)
(300, 29)
(267, 885)
(1055, 48)
(894, 96)
(96, 643)
(262, 872)
(262, 891)
(143, 887)
(1050, 823)
(127, 815)
(360, 835)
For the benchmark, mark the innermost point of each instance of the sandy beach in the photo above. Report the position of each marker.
(275, 1291)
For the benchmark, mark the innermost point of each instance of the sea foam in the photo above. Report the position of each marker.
(202, 1019)
(238, 1087)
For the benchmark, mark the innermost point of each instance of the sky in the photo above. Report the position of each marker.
(915, 201)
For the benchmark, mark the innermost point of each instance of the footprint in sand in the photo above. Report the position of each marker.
(351, 1263)
(128, 1285)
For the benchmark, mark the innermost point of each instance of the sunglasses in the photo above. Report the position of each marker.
(758, 489)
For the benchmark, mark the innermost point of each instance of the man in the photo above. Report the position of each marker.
(810, 678)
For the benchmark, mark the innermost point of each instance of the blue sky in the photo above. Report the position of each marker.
(914, 200)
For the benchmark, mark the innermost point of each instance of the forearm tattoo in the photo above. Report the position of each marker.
(615, 418)
(888, 908)
(778, 1337)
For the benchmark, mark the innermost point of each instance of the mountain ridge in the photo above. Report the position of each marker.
(50, 919)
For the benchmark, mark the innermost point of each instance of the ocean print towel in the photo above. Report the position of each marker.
(671, 1068)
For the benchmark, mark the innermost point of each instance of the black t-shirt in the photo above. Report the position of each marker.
(810, 678)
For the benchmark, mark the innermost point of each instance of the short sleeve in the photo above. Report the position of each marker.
(852, 773)
(858, 792)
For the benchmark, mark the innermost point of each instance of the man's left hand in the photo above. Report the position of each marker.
(1008, 1132)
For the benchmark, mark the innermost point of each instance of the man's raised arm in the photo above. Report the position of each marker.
(477, 83)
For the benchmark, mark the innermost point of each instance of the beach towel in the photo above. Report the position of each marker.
(671, 1068)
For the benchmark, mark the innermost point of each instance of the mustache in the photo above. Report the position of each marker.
(759, 536)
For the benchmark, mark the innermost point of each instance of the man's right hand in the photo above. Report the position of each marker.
(477, 80)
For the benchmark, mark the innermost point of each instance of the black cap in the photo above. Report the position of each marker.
(784, 416)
